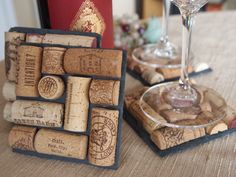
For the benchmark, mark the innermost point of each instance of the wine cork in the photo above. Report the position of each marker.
(133, 96)
(103, 137)
(52, 60)
(173, 72)
(216, 128)
(51, 87)
(61, 144)
(98, 62)
(9, 91)
(215, 101)
(173, 116)
(7, 111)
(140, 68)
(22, 137)
(230, 118)
(148, 124)
(104, 92)
(12, 41)
(28, 71)
(77, 104)
(70, 40)
(152, 77)
(37, 113)
(34, 38)
(168, 137)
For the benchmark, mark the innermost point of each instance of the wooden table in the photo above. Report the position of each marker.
(214, 41)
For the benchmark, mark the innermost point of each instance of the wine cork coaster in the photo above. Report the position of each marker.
(104, 92)
(37, 113)
(98, 62)
(77, 104)
(52, 60)
(61, 143)
(21, 137)
(12, 42)
(103, 137)
(28, 71)
(34, 38)
(51, 87)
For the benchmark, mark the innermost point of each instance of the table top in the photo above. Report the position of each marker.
(214, 41)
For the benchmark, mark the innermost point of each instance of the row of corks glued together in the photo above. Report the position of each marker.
(99, 148)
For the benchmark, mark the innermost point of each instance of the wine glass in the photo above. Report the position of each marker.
(178, 102)
(163, 53)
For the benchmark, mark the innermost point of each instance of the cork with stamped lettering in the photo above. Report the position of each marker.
(36, 113)
(29, 71)
(12, 42)
(22, 137)
(61, 143)
(104, 92)
(51, 87)
(98, 62)
(52, 60)
(103, 136)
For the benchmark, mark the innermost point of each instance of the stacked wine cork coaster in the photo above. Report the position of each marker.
(66, 102)
(165, 140)
(150, 76)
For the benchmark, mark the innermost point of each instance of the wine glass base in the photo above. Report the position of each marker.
(207, 109)
(160, 55)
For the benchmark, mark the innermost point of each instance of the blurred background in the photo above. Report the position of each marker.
(25, 12)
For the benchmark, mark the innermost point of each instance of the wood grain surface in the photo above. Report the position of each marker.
(214, 41)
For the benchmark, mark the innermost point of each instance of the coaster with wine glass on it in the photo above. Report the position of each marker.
(170, 131)
(151, 75)
(176, 115)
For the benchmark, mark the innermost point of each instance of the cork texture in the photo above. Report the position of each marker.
(104, 92)
(52, 60)
(148, 124)
(77, 104)
(9, 91)
(51, 87)
(168, 137)
(103, 137)
(34, 38)
(12, 42)
(61, 143)
(69, 40)
(37, 113)
(29, 71)
(98, 62)
(22, 137)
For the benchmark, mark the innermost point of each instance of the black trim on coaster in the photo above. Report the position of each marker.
(162, 153)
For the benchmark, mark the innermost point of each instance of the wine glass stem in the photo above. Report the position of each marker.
(187, 20)
(166, 12)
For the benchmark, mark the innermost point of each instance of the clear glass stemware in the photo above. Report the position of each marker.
(163, 53)
(177, 102)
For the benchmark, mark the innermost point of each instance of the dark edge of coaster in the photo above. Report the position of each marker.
(162, 153)
(50, 31)
(60, 158)
(144, 82)
(119, 108)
